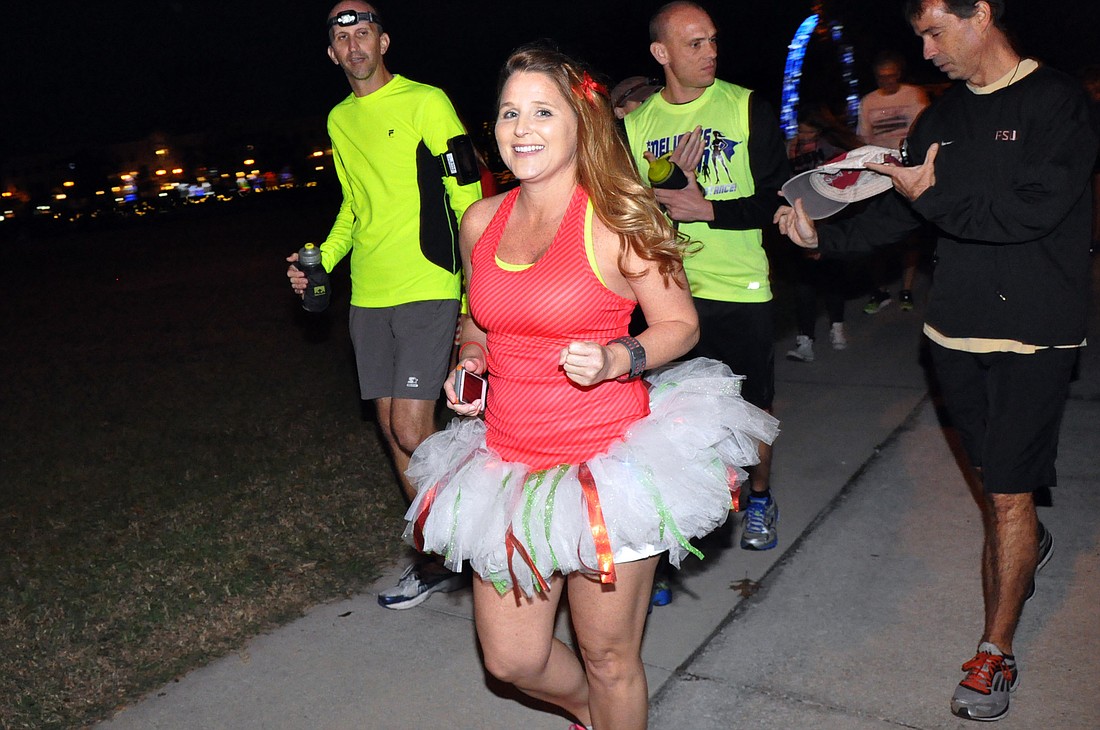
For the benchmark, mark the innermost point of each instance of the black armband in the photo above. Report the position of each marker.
(460, 160)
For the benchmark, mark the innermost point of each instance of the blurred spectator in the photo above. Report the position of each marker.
(885, 117)
(629, 94)
(820, 138)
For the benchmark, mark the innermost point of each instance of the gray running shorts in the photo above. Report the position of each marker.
(403, 351)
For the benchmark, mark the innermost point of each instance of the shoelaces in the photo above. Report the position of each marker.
(757, 512)
(980, 671)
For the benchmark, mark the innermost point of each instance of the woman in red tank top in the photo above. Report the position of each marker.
(581, 472)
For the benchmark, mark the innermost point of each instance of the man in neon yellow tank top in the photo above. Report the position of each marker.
(399, 221)
(731, 140)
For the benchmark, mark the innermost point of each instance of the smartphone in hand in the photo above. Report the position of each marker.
(468, 386)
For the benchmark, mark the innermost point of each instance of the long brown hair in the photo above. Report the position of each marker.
(605, 168)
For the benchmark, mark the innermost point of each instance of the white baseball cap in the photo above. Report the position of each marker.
(827, 189)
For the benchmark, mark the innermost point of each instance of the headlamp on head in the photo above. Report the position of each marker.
(350, 17)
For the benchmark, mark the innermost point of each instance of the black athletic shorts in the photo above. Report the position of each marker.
(1007, 408)
(742, 335)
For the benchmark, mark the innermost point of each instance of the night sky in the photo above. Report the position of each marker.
(77, 73)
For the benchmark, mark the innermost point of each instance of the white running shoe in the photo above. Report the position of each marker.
(803, 350)
(836, 336)
(415, 587)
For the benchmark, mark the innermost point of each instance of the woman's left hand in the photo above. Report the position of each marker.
(585, 363)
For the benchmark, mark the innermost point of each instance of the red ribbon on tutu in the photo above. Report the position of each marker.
(429, 500)
(511, 546)
(734, 483)
(605, 561)
(418, 526)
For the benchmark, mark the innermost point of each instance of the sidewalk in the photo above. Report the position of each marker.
(866, 624)
(864, 612)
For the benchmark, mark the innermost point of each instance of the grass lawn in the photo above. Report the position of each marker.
(185, 459)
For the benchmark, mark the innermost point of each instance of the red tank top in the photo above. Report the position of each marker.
(534, 414)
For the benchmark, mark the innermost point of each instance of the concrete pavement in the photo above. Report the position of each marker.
(865, 625)
(863, 615)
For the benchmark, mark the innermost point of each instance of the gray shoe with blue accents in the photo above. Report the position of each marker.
(416, 585)
(759, 531)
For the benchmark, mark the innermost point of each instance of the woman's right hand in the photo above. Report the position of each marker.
(585, 363)
(463, 409)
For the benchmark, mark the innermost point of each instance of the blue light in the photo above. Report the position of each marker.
(847, 59)
(792, 75)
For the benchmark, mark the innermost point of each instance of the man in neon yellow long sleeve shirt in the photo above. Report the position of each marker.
(399, 221)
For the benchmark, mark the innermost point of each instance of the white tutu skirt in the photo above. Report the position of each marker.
(670, 479)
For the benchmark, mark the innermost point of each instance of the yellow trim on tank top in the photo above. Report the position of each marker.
(589, 250)
(511, 267)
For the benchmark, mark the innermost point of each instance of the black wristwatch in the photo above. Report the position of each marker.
(637, 356)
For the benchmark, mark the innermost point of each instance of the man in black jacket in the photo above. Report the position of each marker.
(1002, 174)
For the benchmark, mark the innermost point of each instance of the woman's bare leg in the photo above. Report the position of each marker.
(609, 621)
(519, 646)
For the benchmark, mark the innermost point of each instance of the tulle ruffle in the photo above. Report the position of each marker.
(667, 481)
